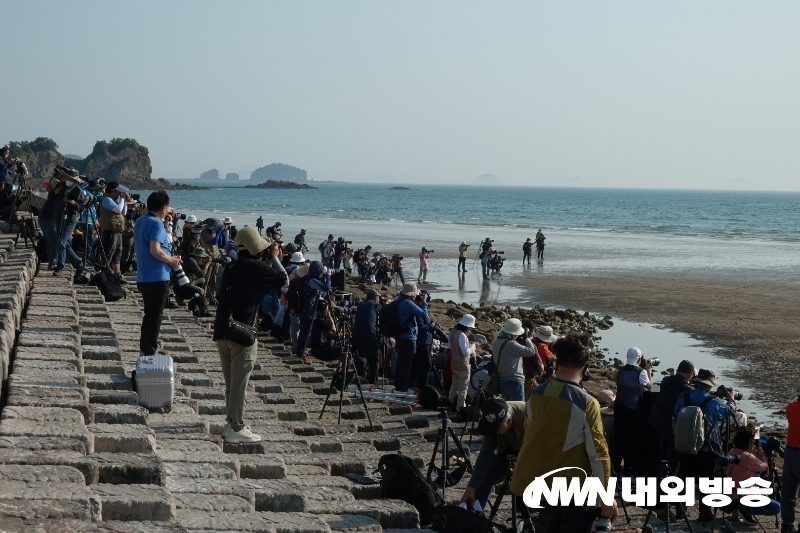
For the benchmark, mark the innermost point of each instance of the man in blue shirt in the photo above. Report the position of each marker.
(154, 264)
(94, 190)
(406, 343)
(714, 410)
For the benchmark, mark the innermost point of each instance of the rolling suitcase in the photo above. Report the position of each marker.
(155, 381)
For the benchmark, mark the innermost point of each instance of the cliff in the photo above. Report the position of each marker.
(123, 160)
(279, 172)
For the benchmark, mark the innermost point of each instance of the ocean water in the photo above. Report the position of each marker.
(589, 231)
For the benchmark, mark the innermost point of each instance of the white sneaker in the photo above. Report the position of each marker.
(245, 435)
(227, 430)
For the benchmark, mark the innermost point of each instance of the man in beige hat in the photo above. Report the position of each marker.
(406, 343)
(507, 354)
(791, 463)
(242, 285)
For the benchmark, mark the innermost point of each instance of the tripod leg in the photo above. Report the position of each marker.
(361, 393)
(496, 505)
(460, 448)
(444, 462)
(330, 390)
(345, 381)
(433, 457)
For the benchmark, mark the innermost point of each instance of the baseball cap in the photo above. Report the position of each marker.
(493, 414)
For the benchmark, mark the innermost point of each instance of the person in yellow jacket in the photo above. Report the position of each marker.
(564, 429)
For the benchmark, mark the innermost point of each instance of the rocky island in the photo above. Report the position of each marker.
(280, 184)
(399, 188)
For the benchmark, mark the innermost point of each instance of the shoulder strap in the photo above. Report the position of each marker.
(499, 355)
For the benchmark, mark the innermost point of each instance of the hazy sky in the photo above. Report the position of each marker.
(619, 94)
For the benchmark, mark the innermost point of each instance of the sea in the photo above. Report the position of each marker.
(740, 235)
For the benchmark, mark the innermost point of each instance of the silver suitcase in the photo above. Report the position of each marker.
(155, 381)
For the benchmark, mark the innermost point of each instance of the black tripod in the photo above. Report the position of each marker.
(345, 373)
(24, 193)
(477, 399)
(663, 474)
(442, 437)
(526, 514)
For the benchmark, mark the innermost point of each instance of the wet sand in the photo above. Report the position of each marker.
(753, 322)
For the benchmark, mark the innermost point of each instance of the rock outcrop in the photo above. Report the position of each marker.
(210, 175)
(231, 176)
(278, 172)
(273, 184)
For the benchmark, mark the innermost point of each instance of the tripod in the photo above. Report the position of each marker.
(442, 437)
(663, 474)
(477, 399)
(526, 513)
(345, 362)
(24, 191)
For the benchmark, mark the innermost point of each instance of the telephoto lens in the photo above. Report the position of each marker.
(655, 361)
(181, 275)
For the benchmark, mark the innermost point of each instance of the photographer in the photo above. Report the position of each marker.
(462, 256)
(750, 462)
(397, 267)
(540, 244)
(323, 334)
(496, 261)
(527, 250)
(421, 367)
(313, 286)
(361, 259)
(274, 232)
(502, 425)
(365, 333)
(424, 256)
(242, 283)
(338, 252)
(154, 265)
(188, 287)
(112, 213)
(714, 410)
(327, 251)
(300, 241)
(672, 387)
(406, 342)
(94, 190)
(507, 356)
(632, 380)
(462, 350)
(486, 254)
(260, 224)
(6, 169)
(59, 217)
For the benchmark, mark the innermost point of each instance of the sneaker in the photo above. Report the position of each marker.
(245, 435)
(227, 430)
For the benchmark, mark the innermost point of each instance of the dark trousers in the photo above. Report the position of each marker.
(668, 453)
(526, 256)
(497, 472)
(567, 518)
(462, 264)
(302, 337)
(422, 363)
(700, 465)
(154, 297)
(626, 443)
(405, 350)
(367, 350)
(791, 479)
(327, 353)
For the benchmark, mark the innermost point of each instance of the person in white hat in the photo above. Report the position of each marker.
(791, 463)
(542, 339)
(632, 380)
(406, 343)
(188, 224)
(507, 354)
(462, 351)
(462, 256)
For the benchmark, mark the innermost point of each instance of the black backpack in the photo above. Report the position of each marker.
(294, 295)
(454, 519)
(389, 321)
(322, 245)
(108, 285)
(402, 480)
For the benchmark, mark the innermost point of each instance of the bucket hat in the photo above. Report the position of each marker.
(707, 377)
(297, 258)
(545, 333)
(513, 326)
(248, 239)
(468, 321)
(199, 252)
(410, 289)
(191, 219)
(228, 220)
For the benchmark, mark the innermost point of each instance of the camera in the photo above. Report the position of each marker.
(181, 275)
(138, 197)
(722, 392)
(771, 446)
(178, 216)
(348, 242)
(499, 252)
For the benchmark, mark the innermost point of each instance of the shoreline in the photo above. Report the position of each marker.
(753, 323)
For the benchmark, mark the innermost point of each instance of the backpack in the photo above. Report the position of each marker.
(690, 431)
(322, 245)
(402, 480)
(294, 295)
(454, 519)
(108, 284)
(389, 321)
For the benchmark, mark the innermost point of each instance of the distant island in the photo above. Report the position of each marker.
(487, 179)
(399, 188)
(280, 184)
(187, 187)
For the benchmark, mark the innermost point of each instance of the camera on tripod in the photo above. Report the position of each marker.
(722, 392)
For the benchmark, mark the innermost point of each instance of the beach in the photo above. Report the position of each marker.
(753, 322)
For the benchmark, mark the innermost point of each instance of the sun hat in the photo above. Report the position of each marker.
(463, 243)
(191, 218)
(316, 269)
(468, 321)
(545, 333)
(410, 289)
(199, 252)
(212, 224)
(796, 391)
(197, 229)
(297, 258)
(707, 377)
(228, 220)
(493, 413)
(115, 186)
(96, 185)
(633, 355)
(686, 366)
(528, 239)
(513, 327)
(248, 239)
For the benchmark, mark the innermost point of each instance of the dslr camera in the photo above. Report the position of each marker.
(722, 392)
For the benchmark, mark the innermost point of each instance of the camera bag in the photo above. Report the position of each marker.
(108, 284)
(401, 479)
(690, 431)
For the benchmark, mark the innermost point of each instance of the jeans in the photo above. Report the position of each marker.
(88, 230)
(237, 364)
(791, 479)
(363, 271)
(65, 252)
(399, 272)
(512, 390)
(462, 264)
(405, 350)
(154, 297)
(485, 269)
(771, 509)
(50, 231)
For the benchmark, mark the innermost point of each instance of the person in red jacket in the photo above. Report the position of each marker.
(791, 464)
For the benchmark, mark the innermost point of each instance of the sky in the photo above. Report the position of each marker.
(594, 94)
